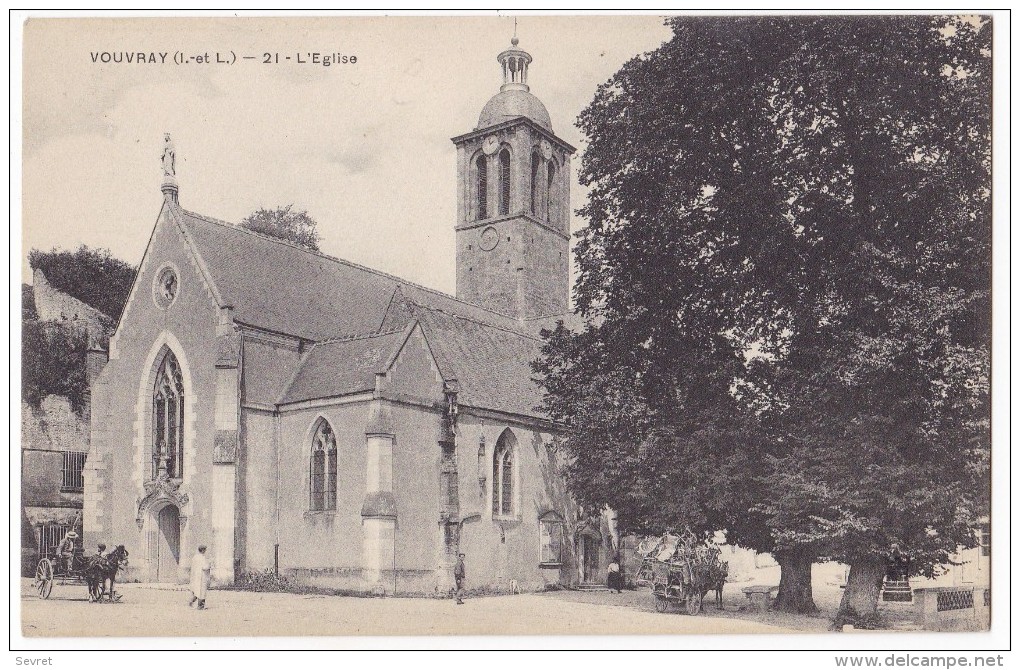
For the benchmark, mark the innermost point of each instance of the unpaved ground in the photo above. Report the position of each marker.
(146, 611)
(898, 616)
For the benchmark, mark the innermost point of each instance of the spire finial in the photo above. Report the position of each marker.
(514, 62)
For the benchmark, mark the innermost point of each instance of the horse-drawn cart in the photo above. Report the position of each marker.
(681, 570)
(671, 585)
(54, 566)
(91, 571)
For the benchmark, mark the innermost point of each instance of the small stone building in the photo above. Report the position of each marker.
(350, 429)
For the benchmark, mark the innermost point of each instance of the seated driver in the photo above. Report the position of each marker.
(66, 549)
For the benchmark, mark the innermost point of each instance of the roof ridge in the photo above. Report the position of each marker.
(336, 259)
(353, 338)
(480, 323)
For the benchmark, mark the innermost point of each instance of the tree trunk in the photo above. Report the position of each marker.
(863, 586)
(795, 583)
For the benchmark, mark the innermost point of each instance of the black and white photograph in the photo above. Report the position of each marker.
(510, 327)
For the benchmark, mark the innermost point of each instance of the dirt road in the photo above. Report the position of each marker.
(146, 611)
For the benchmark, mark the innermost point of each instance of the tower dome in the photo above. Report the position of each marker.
(514, 99)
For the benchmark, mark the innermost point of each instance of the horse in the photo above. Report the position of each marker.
(721, 573)
(103, 568)
(716, 581)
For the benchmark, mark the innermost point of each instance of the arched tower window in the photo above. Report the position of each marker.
(551, 212)
(168, 419)
(504, 181)
(503, 475)
(323, 479)
(482, 187)
(536, 161)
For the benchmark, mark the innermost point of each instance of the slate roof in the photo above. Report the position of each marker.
(285, 288)
(335, 368)
(492, 365)
(357, 317)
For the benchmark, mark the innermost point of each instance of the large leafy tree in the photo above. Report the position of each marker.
(285, 223)
(785, 277)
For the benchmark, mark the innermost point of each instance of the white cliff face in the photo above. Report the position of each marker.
(54, 305)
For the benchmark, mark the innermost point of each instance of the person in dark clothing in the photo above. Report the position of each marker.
(614, 580)
(459, 574)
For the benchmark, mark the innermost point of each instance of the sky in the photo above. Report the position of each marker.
(364, 148)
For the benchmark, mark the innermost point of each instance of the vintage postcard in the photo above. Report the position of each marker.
(506, 325)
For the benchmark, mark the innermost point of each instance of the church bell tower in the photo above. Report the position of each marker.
(513, 202)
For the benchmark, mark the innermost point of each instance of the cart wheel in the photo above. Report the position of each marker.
(693, 604)
(661, 604)
(44, 578)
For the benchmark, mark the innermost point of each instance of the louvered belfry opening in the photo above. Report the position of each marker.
(536, 161)
(482, 187)
(504, 182)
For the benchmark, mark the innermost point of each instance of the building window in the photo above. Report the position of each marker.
(482, 187)
(168, 419)
(535, 195)
(550, 211)
(503, 475)
(551, 538)
(50, 537)
(985, 539)
(71, 471)
(323, 479)
(504, 181)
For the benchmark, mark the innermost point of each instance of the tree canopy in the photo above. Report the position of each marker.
(94, 276)
(285, 223)
(785, 276)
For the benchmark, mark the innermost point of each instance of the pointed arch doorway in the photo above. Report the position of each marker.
(165, 544)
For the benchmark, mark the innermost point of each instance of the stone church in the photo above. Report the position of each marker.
(344, 427)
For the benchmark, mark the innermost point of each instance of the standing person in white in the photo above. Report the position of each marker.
(200, 572)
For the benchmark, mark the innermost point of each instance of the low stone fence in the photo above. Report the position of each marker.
(950, 608)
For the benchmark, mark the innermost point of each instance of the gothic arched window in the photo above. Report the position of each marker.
(503, 475)
(504, 181)
(551, 193)
(168, 419)
(482, 187)
(536, 161)
(322, 482)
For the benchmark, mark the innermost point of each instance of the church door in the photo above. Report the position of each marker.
(590, 559)
(167, 544)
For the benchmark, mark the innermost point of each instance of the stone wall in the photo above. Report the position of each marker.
(54, 305)
(46, 433)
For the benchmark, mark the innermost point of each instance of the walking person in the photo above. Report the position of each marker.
(613, 577)
(459, 575)
(200, 575)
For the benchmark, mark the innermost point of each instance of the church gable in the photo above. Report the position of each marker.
(171, 290)
(492, 365)
(412, 371)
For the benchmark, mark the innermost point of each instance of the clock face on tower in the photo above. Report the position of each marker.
(490, 145)
(490, 238)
